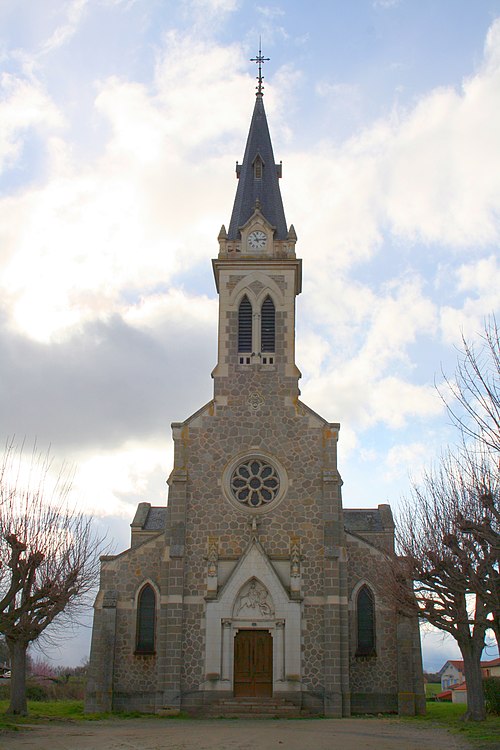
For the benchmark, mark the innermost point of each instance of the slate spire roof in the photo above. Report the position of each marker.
(258, 187)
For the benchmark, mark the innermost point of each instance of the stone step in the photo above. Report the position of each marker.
(255, 708)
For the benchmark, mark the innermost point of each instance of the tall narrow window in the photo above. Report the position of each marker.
(257, 166)
(146, 611)
(267, 322)
(245, 326)
(366, 622)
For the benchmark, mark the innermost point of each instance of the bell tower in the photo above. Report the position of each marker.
(257, 275)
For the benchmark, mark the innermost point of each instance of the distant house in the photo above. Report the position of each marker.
(491, 668)
(453, 683)
(452, 673)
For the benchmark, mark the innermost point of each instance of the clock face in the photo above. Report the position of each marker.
(257, 240)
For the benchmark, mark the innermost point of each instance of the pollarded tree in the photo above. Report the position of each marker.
(455, 573)
(48, 557)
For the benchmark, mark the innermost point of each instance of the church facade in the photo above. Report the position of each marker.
(253, 581)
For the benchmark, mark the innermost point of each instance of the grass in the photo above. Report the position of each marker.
(40, 712)
(432, 689)
(482, 734)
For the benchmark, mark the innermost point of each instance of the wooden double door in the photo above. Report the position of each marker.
(253, 663)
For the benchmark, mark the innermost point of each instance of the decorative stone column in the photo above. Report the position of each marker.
(212, 566)
(280, 651)
(227, 645)
(295, 572)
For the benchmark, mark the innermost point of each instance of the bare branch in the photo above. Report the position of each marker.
(475, 392)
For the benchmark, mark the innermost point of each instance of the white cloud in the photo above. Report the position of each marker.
(368, 382)
(124, 220)
(407, 459)
(480, 281)
(74, 12)
(24, 108)
(136, 473)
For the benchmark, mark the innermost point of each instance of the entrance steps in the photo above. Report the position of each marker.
(255, 708)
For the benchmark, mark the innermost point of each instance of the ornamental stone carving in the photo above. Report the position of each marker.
(212, 556)
(255, 483)
(254, 601)
(255, 400)
(295, 557)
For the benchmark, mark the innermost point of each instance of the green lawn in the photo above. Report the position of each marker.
(483, 734)
(432, 689)
(41, 711)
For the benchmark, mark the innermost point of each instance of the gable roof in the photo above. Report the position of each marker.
(361, 520)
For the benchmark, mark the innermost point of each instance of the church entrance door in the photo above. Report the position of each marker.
(253, 663)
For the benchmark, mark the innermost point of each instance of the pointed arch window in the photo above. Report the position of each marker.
(245, 325)
(365, 611)
(146, 621)
(268, 326)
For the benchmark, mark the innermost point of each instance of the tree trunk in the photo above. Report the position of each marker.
(471, 652)
(18, 704)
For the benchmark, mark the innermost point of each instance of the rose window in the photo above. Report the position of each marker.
(255, 483)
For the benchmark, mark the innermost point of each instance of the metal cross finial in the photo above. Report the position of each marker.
(259, 59)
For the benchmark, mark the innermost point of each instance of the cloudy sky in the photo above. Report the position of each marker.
(120, 124)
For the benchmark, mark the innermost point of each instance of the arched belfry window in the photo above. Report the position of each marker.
(365, 611)
(146, 616)
(245, 325)
(268, 326)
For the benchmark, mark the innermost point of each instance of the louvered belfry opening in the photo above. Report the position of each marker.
(146, 612)
(268, 326)
(245, 326)
(366, 623)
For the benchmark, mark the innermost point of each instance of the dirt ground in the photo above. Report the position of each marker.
(233, 734)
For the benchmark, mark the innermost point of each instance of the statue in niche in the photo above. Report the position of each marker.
(255, 598)
(212, 556)
(295, 557)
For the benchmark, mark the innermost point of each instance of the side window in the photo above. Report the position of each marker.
(146, 615)
(245, 325)
(268, 326)
(365, 610)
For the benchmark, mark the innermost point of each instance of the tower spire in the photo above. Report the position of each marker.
(258, 175)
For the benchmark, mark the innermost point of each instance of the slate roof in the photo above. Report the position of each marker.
(156, 519)
(266, 189)
(359, 521)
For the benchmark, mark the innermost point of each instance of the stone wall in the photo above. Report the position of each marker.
(373, 679)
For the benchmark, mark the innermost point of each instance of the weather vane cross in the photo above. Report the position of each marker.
(259, 59)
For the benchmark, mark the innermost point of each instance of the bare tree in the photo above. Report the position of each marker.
(454, 570)
(48, 557)
(473, 400)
